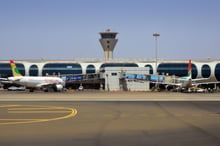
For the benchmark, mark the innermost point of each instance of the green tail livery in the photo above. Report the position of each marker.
(15, 70)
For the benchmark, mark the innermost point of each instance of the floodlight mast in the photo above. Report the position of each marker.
(156, 35)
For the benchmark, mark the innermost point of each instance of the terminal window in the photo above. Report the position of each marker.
(114, 74)
(108, 36)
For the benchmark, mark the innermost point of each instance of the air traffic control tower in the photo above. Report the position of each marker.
(108, 43)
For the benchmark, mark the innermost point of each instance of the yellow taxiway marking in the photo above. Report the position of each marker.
(20, 119)
(36, 112)
(34, 109)
(40, 108)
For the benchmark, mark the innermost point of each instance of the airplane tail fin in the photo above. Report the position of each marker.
(190, 69)
(15, 71)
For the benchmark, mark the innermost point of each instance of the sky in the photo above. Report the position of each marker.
(69, 29)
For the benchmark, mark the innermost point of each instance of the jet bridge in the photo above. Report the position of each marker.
(88, 81)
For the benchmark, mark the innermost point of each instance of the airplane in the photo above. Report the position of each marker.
(32, 83)
(186, 83)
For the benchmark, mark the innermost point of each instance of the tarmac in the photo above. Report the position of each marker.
(94, 118)
(106, 96)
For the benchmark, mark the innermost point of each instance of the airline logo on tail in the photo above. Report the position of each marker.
(190, 69)
(15, 70)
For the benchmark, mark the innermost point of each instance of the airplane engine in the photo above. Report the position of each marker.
(59, 87)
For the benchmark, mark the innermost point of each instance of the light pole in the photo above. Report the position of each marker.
(156, 56)
(156, 50)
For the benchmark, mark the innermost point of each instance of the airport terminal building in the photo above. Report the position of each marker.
(200, 68)
(204, 69)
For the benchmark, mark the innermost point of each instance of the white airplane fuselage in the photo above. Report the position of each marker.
(38, 82)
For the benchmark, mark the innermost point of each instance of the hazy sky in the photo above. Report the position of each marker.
(69, 29)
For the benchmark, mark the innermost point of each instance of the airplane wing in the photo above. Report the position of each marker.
(200, 83)
(3, 79)
(14, 79)
(200, 79)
